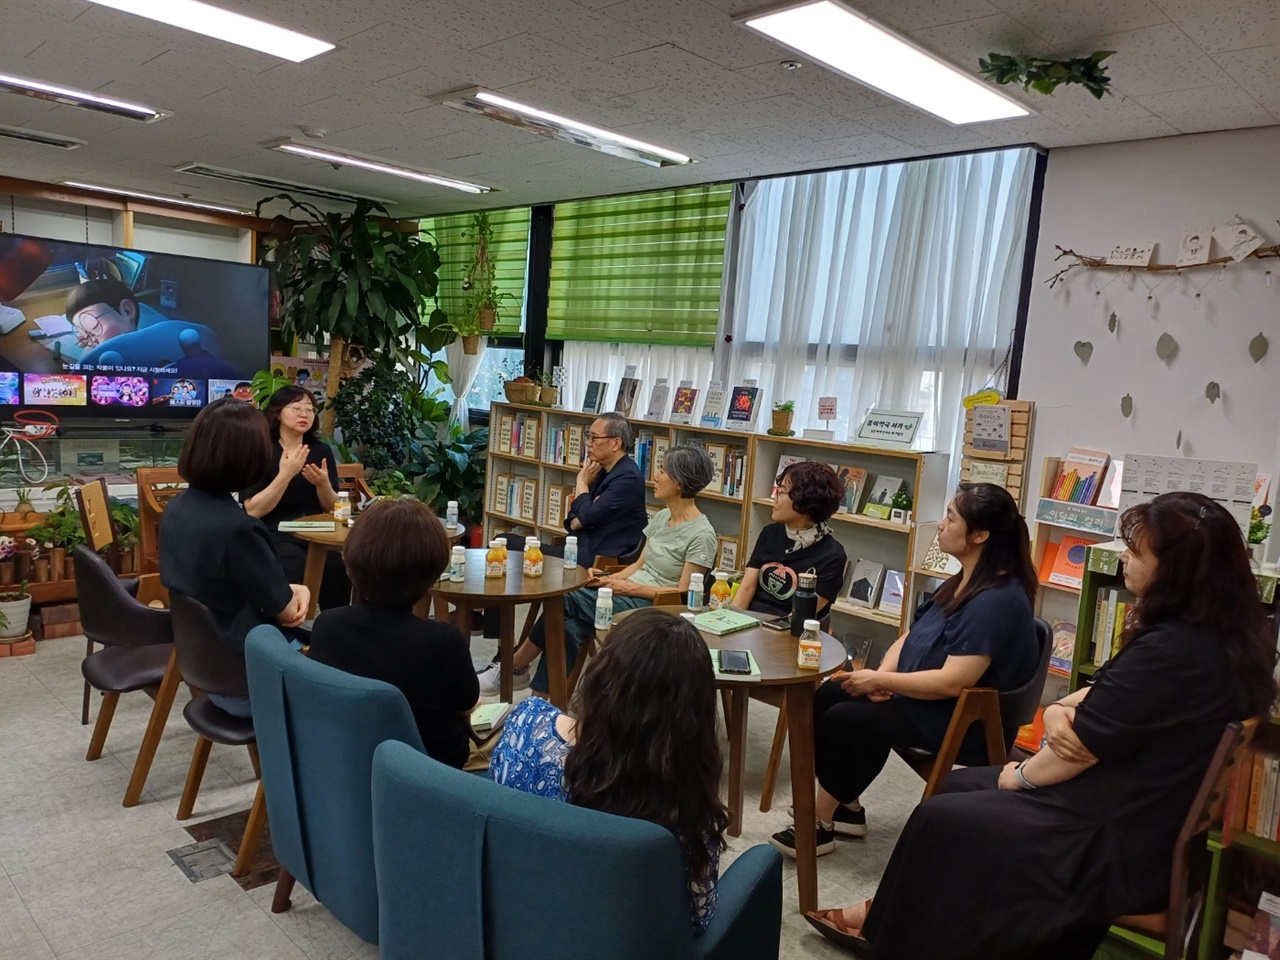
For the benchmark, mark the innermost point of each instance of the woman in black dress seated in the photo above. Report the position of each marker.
(1036, 859)
(977, 631)
(300, 480)
(210, 549)
(798, 541)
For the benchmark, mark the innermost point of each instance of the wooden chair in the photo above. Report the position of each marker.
(156, 487)
(1166, 934)
(351, 479)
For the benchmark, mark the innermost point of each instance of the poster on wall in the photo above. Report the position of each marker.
(311, 374)
(1229, 483)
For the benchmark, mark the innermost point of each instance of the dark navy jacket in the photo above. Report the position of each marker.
(612, 513)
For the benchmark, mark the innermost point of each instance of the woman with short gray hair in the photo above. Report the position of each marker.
(679, 542)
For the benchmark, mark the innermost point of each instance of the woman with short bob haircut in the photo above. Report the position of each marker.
(210, 549)
(644, 744)
(394, 554)
(1037, 858)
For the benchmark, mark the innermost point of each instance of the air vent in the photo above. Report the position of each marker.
(278, 186)
(40, 137)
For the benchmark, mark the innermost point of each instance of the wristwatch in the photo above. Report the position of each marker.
(1022, 777)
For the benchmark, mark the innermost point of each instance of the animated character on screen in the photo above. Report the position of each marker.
(117, 330)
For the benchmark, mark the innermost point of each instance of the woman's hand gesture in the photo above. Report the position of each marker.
(292, 461)
(316, 475)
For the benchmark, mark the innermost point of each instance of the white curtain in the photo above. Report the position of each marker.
(462, 371)
(894, 286)
(587, 360)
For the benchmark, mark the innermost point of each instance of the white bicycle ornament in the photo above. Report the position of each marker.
(29, 426)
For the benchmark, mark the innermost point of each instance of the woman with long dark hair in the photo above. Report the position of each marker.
(1036, 859)
(644, 743)
(301, 480)
(978, 630)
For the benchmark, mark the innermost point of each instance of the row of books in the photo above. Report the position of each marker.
(743, 402)
(1063, 562)
(1109, 618)
(516, 496)
(1262, 815)
(874, 587)
(1081, 476)
(879, 500)
(518, 435)
(649, 451)
(566, 444)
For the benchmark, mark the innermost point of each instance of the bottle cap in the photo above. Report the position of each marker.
(452, 503)
(495, 544)
(572, 540)
(808, 580)
(689, 616)
(695, 576)
(606, 593)
(721, 575)
(813, 625)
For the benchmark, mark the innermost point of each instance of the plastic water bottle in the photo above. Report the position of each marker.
(570, 552)
(451, 514)
(604, 609)
(697, 598)
(458, 565)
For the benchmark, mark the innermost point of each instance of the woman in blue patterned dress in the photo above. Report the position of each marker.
(643, 745)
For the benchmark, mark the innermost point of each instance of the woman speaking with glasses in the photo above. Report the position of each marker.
(303, 480)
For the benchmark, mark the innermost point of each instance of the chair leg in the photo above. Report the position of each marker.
(88, 690)
(252, 834)
(530, 618)
(253, 758)
(775, 758)
(108, 709)
(284, 887)
(155, 730)
(199, 758)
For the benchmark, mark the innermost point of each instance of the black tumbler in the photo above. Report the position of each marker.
(804, 603)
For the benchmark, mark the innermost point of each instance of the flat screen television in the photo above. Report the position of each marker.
(102, 332)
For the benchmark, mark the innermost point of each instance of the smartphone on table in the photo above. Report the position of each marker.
(777, 623)
(735, 661)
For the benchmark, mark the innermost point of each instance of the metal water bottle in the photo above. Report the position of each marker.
(804, 603)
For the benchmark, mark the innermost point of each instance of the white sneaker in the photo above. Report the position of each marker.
(491, 679)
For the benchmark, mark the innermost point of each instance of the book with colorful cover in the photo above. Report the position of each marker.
(743, 403)
(1068, 565)
(939, 561)
(713, 406)
(891, 592)
(1064, 644)
(1080, 476)
(854, 481)
(683, 402)
(594, 402)
(880, 499)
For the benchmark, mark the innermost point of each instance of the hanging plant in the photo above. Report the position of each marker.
(1044, 76)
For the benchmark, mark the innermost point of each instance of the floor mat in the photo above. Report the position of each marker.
(229, 830)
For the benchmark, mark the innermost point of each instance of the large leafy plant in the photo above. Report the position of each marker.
(448, 465)
(379, 411)
(1044, 76)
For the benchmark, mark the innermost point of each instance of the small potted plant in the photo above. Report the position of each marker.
(518, 387)
(8, 573)
(549, 391)
(783, 412)
(24, 507)
(62, 532)
(467, 326)
(1259, 529)
(128, 528)
(483, 300)
(15, 611)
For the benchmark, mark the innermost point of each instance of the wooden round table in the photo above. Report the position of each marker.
(320, 542)
(775, 654)
(477, 591)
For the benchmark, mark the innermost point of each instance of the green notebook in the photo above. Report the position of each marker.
(306, 526)
(724, 621)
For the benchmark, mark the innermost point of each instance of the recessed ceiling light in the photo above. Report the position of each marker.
(276, 184)
(222, 24)
(845, 41)
(152, 196)
(40, 137)
(557, 127)
(347, 159)
(80, 98)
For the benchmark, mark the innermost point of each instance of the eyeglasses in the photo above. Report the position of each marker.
(301, 406)
(89, 326)
(593, 437)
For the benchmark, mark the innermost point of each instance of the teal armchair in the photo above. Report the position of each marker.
(471, 870)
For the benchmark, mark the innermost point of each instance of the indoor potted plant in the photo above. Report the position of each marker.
(548, 390)
(482, 300)
(64, 532)
(15, 611)
(24, 507)
(38, 547)
(8, 547)
(127, 527)
(783, 411)
(1259, 529)
(518, 387)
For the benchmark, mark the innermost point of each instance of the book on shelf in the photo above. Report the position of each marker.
(505, 423)
(642, 452)
(744, 402)
(784, 461)
(661, 444)
(880, 499)
(1109, 496)
(529, 500)
(658, 400)
(575, 447)
(1057, 684)
(1064, 644)
(628, 391)
(559, 497)
(1111, 613)
(718, 453)
(501, 493)
(854, 482)
(985, 471)
(891, 592)
(529, 438)
(683, 402)
(864, 584)
(1067, 569)
(937, 560)
(735, 472)
(1079, 477)
(726, 553)
(594, 400)
(1264, 938)
(713, 406)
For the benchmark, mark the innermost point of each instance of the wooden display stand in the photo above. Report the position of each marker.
(1021, 421)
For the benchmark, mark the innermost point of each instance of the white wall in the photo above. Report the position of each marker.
(55, 221)
(1097, 196)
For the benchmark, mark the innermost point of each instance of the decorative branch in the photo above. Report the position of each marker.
(1095, 263)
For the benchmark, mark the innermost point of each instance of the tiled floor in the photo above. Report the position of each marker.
(82, 877)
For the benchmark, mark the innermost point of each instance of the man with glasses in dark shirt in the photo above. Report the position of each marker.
(607, 514)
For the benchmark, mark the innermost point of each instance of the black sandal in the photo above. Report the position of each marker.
(830, 923)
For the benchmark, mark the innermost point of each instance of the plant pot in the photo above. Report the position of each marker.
(16, 613)
(488, 319)
(1257, 553)
(549, 396)
(23, 510)
(782, 420)
(22, 566)
(520, 392)
(8, 573)
(40, 570)
(471, 344)
(58, 564)
(127, 565)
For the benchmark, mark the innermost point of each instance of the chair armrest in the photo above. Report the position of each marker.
(748, 920)
(149, 590)
(668, 597)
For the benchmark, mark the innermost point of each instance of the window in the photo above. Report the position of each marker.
(487, 387)
(509, 251)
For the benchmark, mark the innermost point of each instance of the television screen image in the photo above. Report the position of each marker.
(119, 391)
(240, 389)
(10, 388)
(177, 392)
(85, 309)
(54, 389)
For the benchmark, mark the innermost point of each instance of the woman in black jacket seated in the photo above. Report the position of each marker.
(395, 554)
(1035, 860)
(300, 480)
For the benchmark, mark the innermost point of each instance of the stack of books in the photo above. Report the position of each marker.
(565, 446)
(1109, 619)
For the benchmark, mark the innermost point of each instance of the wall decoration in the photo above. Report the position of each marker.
(1258, 347)
(1212, 391)
(1126, 405)
(1113, 321)
(1166, 347)
(1084, 350)
(1237, 237)
(1194, 248)
(1131, 254)
(1178, 443)
(1101, 263)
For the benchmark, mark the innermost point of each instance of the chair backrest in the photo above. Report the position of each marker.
(95, 515)
(351, 479)
(317, 728)
(156, 487)
(1018, 707)
(205, 658)
(466, 865)
(109, 614)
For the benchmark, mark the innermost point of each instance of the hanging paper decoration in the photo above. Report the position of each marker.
(1126, 405)
(1258, 347)
(1178, 442)
(1084, 350)
(1166, 347)
(1112, 322)
(1212, 391)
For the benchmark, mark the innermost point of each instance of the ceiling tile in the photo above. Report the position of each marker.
(904, 123)
(1215, 27)
(1258, 71)
(695, 23)
(1159, 60)
(675, 67)
(817, 86)
(1078, 24)
(963, 44)
(1208, 108)
(908, 15)
(542, 58)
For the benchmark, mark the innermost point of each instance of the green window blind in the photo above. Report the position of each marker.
(509, 252)
(644, 268)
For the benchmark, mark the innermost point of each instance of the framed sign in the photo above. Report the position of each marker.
(896, 427)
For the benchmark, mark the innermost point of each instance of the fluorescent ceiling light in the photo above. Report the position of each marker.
(222, 24)
(376, 165)
(40, 137)
(850, 44)
(557, 127)
(275, 183)
(152, 196)
(80, 98)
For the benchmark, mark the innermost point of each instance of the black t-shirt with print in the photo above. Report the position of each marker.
(779, 569)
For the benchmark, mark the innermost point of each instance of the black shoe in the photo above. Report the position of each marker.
(848, 823)
(785, 840)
